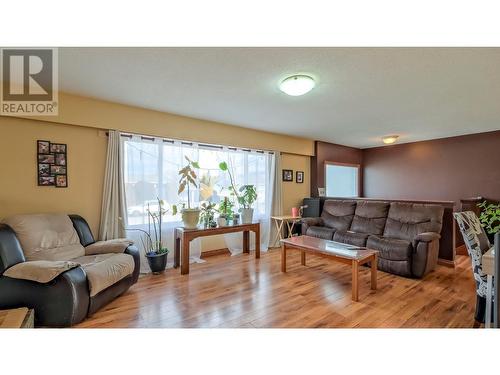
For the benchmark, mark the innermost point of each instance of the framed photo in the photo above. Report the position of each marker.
(321, 192)
(44, 170)
(299, 177)
(61, 180)
(58, 148)
(46, 180)
(43, 147)
(46, 158)
(60, 159)
(287, 175)
(57, 169)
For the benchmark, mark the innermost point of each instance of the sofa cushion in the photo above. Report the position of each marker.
(320, 232)
(352, 238)
(46, 236)
(390, 248)
(40, 271)
(338, 214)
(118, 245)
(406, 220)
(370, 217)
(104, 270)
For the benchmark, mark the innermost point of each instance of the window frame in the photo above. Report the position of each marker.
(340, 164)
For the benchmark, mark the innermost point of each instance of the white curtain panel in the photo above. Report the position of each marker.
(254, 168)
(277, 199)
(113, 213)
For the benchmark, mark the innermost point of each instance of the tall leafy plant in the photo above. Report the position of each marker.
(490, 217)
(246, 195)
(187, 179)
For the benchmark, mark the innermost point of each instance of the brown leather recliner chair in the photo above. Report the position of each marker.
(405, 234)
(68, 297)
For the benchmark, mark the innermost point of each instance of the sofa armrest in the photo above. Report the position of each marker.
(62, 302)
(427, 237)
(118, 246)
(134, 252)
(310, 222)
(40, 271)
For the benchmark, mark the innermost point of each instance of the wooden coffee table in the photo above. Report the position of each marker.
(340, 252)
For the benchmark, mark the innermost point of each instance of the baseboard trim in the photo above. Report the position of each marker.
(446, 263)
(211, 253)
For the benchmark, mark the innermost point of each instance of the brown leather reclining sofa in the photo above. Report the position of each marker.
(406, 234)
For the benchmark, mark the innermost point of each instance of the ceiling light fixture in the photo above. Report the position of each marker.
(390, 139)
(297, 85)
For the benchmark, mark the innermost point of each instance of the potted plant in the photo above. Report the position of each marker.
(225, 210)
(208, 214)
(490, 218)
(190, 216)
(156, 253)
(245, 195)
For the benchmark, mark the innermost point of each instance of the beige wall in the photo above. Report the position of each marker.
(19, 192)
(292, 192)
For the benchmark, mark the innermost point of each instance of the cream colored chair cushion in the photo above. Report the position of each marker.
(104, 270)
(46, 236)
(41, 271)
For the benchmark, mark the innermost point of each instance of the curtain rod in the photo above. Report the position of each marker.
(219, 147)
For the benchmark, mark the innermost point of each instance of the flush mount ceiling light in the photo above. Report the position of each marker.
(297, 85)
(390, 139)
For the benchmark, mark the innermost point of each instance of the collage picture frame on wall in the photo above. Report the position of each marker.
(52, 164)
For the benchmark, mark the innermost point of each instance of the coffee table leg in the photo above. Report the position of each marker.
(185, 257)
(374, 272)
(257, 242)
(177, 252)
(355, 284)
(303, 258)
(283, 258)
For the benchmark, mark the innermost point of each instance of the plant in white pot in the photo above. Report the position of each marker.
(245, 195)
(225, 210)
(190, 216)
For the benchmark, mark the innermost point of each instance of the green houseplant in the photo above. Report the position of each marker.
(207, 215)
(225, 210)
(156, 253)
(490, 218)
(246, 195)
(188, 178)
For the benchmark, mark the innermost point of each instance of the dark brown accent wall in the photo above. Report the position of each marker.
(441, 169)
(324, 151)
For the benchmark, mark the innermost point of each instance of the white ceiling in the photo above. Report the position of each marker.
(361, 93)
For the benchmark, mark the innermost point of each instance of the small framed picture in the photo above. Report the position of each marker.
(44, 170)
(57, 169)
(321, 192)
(43, 147)
(287, 175)
(60, 159)
(299, 177)
(61, 180)
(46, 159)
(58, 148)
(46, 181)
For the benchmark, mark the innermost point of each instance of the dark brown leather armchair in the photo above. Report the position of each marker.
(65, 300)
(405, 234)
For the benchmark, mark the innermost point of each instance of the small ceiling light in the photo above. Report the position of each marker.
(297, 85)
(390, 139)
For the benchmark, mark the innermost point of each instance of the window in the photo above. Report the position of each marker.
(151, 170)
(341, 180)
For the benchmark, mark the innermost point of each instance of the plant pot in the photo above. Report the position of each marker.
(246, 215)
(221, 221)
(157, 262)
(190, 217)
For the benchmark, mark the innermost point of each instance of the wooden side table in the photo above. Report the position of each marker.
(279, 221)
(17, 318)
(184, 236)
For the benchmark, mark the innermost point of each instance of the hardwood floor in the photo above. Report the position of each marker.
(241, 291)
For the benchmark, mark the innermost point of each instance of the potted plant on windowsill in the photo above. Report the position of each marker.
(207, 215)
(156, 253)
(245, 195)
(225, 210)
(190, 216)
